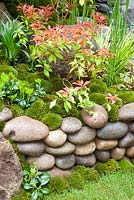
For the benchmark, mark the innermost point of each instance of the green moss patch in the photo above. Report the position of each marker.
(52, 120)
(126, 96)
(113, 114)
(125, 165)
(87, 173)
(97, 86)
(16, 110)
(98, 98)
(58, 184)
(76, 181)
(108, 167)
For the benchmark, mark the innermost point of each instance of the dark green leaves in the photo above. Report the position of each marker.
(34, 181)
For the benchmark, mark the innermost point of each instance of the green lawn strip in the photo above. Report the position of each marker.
(116, 186)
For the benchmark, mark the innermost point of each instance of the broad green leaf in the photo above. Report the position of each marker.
(27, 186)
(46, 73)
(45, 191)
(34, 195)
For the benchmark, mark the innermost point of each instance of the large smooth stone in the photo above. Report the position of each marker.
(88, 160)
(71, 125)
(10, 170)
(55, 138)
(130, 152)
(102, 156)
(127, 140)
(96, 120)
(126, 112)
(6, 114)
(65, 162)
(105, 144)
(31, 148)
(25, 129)
(112, 130)
(67, 148)
(83, 136)
(44, 162)
(118, 153)
(84, 149)
(131, 127)
(55, 171)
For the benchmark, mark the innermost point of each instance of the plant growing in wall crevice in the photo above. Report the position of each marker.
(34, 182)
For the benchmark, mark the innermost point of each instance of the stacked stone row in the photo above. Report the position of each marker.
(74, 143)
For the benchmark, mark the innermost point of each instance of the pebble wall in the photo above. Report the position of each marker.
(74, 143)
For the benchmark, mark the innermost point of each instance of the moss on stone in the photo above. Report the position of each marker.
(111, 166)
(126, 96)
(97, 86)
(36, 110)
(100, 168)
(113, 114)
(16, 110)
(58, 184)
(75, 180)
(98, 98)
(52, 120)
(126, 165)
(108, 167)
(87, 173)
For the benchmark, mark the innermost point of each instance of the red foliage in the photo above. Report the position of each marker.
(99, 18)
(31, 13)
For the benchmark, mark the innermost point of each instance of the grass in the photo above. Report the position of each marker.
(117, 186)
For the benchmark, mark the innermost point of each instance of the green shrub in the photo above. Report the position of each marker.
(113, 114)
(126, 165)
(16, 110)
(22, 195)
(75, 180)
(87, 173)
(2, 125)
(58, 184)
(108, 167)
(126, 96)
(52, 120)
(98, 98)
(98, 86)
